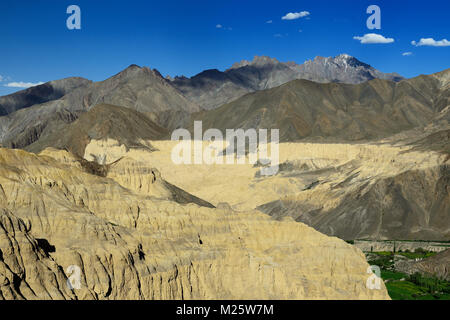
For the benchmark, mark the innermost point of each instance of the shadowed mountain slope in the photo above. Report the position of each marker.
(126, 126)
(39, 94)
(411, 205)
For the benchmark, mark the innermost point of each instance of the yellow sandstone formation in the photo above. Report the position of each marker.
(130, 242)
(237, 185)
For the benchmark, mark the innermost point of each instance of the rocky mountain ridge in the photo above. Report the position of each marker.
(212, 88)
(40, 94)
(140, 89)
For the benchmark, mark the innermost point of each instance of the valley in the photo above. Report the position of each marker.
(87, 179)
(314, 185)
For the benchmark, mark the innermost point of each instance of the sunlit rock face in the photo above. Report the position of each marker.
(352, 191)
(132, 241)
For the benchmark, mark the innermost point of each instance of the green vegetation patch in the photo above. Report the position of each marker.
(415, 287)
(402, 286)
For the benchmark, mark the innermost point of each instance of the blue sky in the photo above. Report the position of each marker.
(182, 37)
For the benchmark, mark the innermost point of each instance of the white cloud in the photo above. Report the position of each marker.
(295, 15)
(405, 54)
(431, 42)
(219, 26)
(278, 35)
(4, 78)
(269, 21)
(300, 30)
(22, 84)
(370, 38)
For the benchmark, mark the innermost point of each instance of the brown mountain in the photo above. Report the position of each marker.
(334, 111)
(412, 204)
(39, 94)
(140, 89)
(126, 126)
(437, 265)
(369, 192)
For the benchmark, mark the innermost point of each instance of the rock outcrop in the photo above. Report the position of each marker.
(55, 217)
(26, 270)
(353, 191)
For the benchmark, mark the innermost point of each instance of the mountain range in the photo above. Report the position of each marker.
(166, 102)
(335, 111)
(213, 88)
(140, 89)
(336, 100)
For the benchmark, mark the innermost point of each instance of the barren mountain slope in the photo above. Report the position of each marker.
(437, 265)
(127, 126)
(39, 94)
(213, 88)
(334, 111)
(141, 89)
(133, 246)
